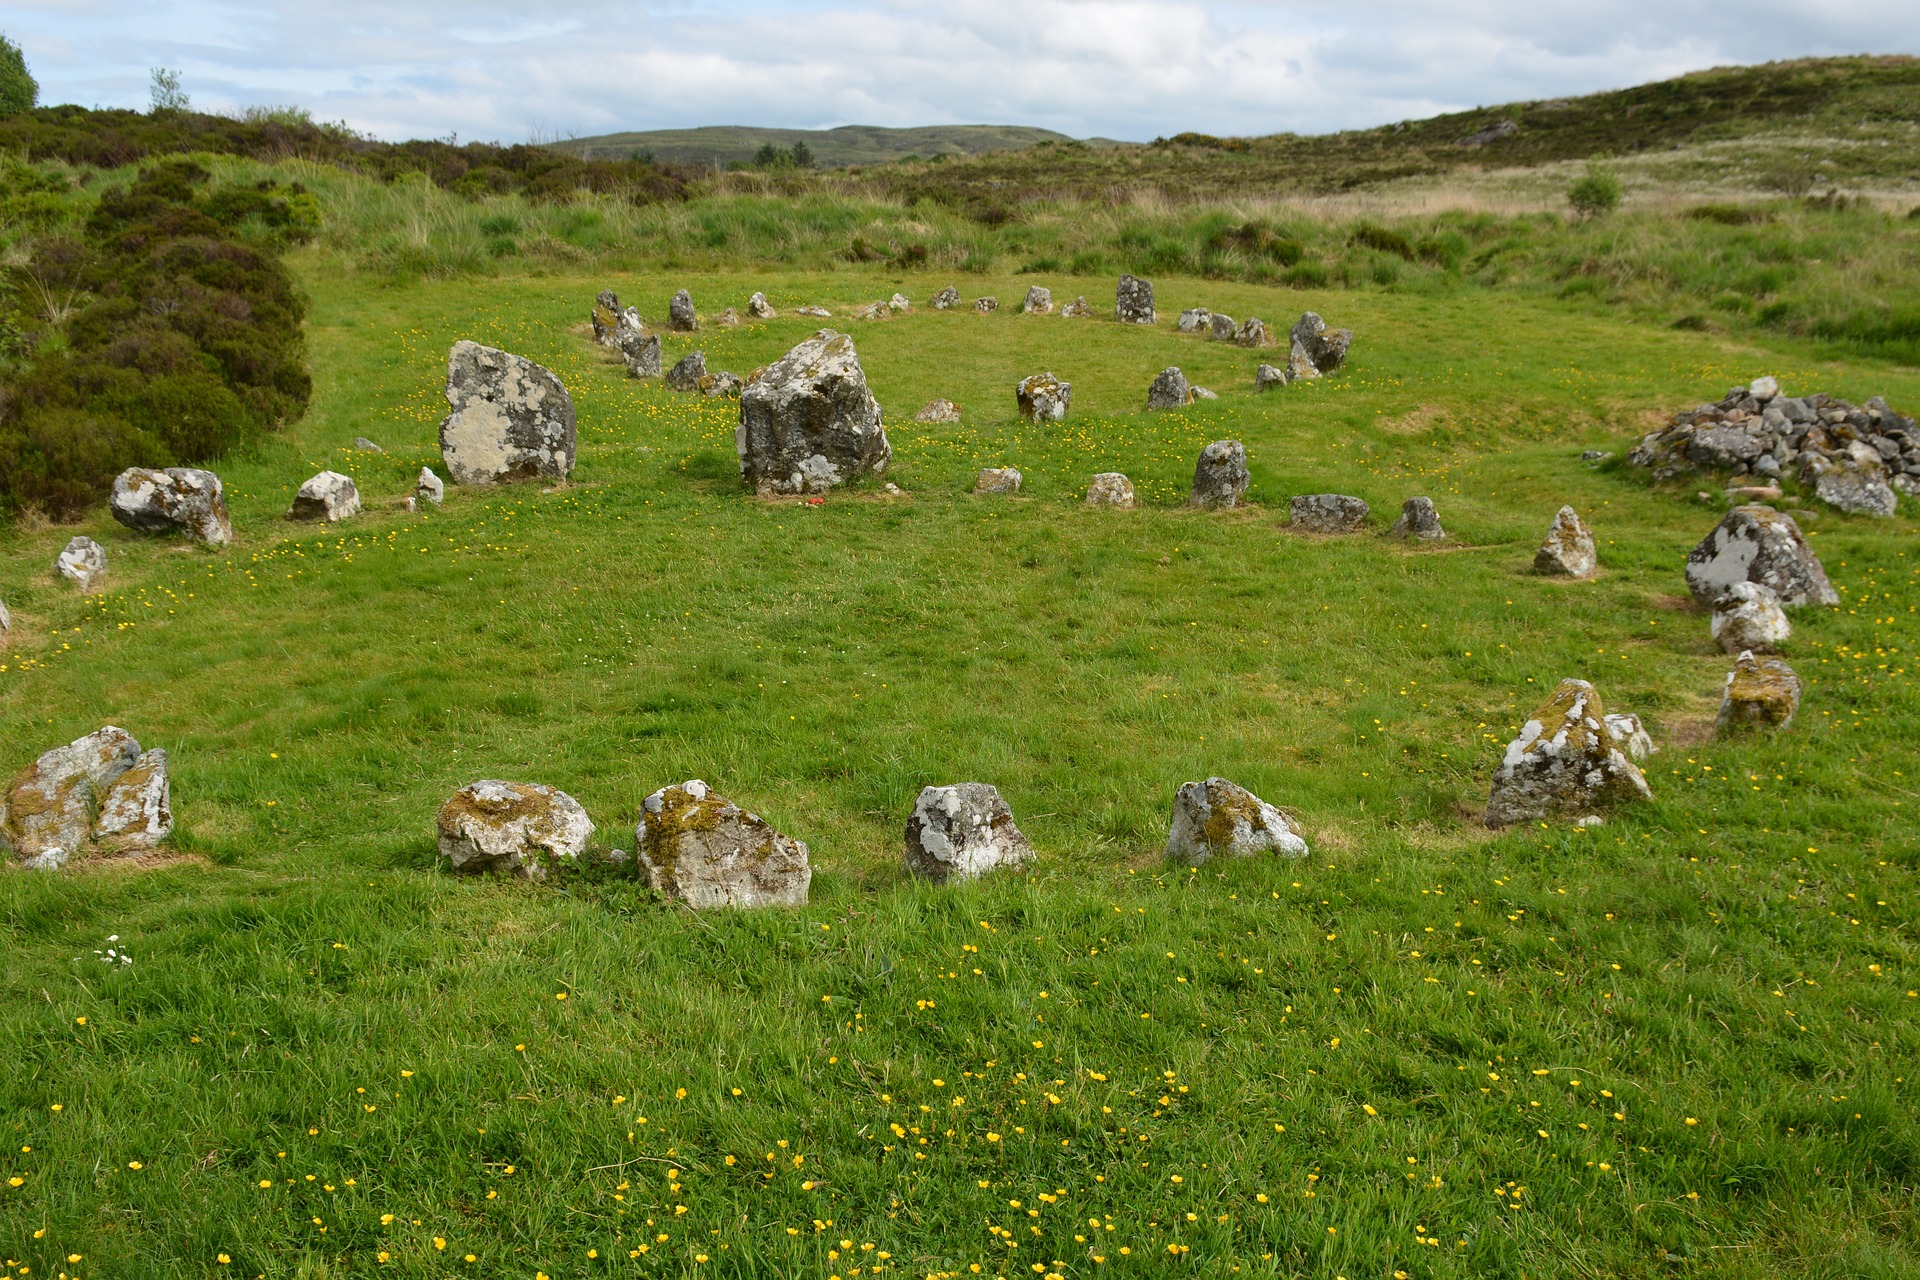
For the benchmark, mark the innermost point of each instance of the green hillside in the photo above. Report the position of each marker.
(721, 145)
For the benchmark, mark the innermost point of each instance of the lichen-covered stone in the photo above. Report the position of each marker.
(1418, 520)
(136, 813)
(429, 487)
(1761, 693)
(1170, 390)
(723, 383)
(1328, 513)
(946, 300)
(83, 563)
(6, 619)
(688, 372)
(997, 480)
(872, 311)
(728, 318)
(521, 827)
(1218, 818)
(759, 308)
(611, 320)
(809, 423)
(48, 809)
(365, 445)
(1038, 302)
(1747, 617)
(1220, 475)
(327, 497)
(1324, 348)
(818, 313)
(1755, 543)
(1631, 735)
(1133, 301)
(178, 499)
(1078, 309)
(1255, 332)
(707, 852)
(940, 410)
(1221, 327)
(962, 832)
(984, 305)
(1110, 489)
(1565, 763)
(1195, 320)
(1856, 486)
(511, 419)
(899, 304)
(1300, 366)
(680, 314)
(1268, 377)
(642, 354)
(1568, 549)
(1043, 398)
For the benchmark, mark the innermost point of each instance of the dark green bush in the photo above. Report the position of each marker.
(1383, 239)
(19, 91)
(1729, 215)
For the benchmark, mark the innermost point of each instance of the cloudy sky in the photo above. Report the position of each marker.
(510, 70)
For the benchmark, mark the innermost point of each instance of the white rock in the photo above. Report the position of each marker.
(178, 499)
(1218, 817)
(962, 832)
(1196, 320)
(429, 488)
(1038, 302)
(1631, 735)
(84, 564)
(511, 826)
(1747, 617)
(137, 811)
(758, 308)
(899, 303)
(1110, 489)
(1764, 389)
(1267, 377)
(706, 852)
(329, 496)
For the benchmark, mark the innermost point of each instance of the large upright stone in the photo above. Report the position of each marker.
(1038, 302)
(611, 321)
(1324, 348)
(1218, 818)
(327, 497)
(689, 373)
(1170, 390)
(808, 421)
(1110, 489)
(179, 499)
(511, 419)
(136, 812)
(1747, 617)
(1761, 693)
(706, 852)
(962, 832)
(1758, 544)
(83, 563)
(1418, 520)
(680, 314)
(47, 812)
(1565, 763)
(1220, 476)
(1133, 301)
(1328, 513)
(521, 827)
(1043, 398)
(1568, 549)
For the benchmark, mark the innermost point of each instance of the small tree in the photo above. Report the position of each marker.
(1596, 192)
(769, 157)
(19, 91)
(166, 93)
(802, 156)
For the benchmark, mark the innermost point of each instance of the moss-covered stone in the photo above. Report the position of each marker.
(1761, 693)
(1565, 763)
(700, 849)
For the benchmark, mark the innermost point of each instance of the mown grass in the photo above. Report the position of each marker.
(1261, 1069)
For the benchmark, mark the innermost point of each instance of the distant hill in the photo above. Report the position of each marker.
(721, 145)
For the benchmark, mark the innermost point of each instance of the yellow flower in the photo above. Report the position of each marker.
(222, 1259)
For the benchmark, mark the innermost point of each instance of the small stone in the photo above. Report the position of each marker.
(1078, 309)
(946, 300)
(1169, 390)
(329, 496)
(898, 304)
(1758, 544)
(1764, 389)
(1595, 455)
(136, 813)
(1631, 735)
(1267, 377)
(1566, 762)
(1203, 393)
(1254, 333)
(6, 619)
(1110, 489)
(83, 563)
(939, 411)
(984, 305)
(1133, 301)
(997, 480)
(511, 419)
(1196, 320)
(429, 487)
(1753, 493)
(728, 318)
(1761, 693)
(1221, 327)
(1328, 513)
(1418, 519)
(1218, 818)
(48, 808)
(642, 355)
(872, 311)
(1325, 349)
(1220, 476)
(1747, 617)
(680, 314)
(178, 499)
(1043, 398)
(809, 423)
(511, 826)
(758, 308)
(1568, 549)
(1300, 366)
(723, 383)
(963, 832)
(1038, 302)
(365, 445)
(818, 313)
(687, 374)
(702, 850)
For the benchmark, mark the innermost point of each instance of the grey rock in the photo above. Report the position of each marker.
(1747, 617)
(946, 300)
(702, 850)
(178, 499)
(1043, 398)
(1492, 133)
(610, 318)
(1221, 327)
(1133, 301)
(1196, 320)
(1078, 309)
(872, 311)
(728, 318)
(1755, 543)
(940, 410)
(1567, 551)
(136, 812)
(1267, 377)
(758, 308)
(1328, 513)
(963, 832)
(83, 563)
(818, 313)
(997, 480)
(1254, 333)
(1326, 349)
(808, 422)
(1220, 476)
(522, 827)
(6, 619)
(1170, 390)
(688, 374)
(48, 807)
(1565, 763)
(429, 487)
(723, 383)
(984, 305)
(1595, 455)
(1764, 389)
(1203, 393)
(1110, 489)
(328, 496)
(642, 354)
(511, 419)
(899, 304)
(680, 314)
(365, 445)
(1300, 366)
(1218, 818)
(1856, 487)
(1038, 302)
(1761, 693)
(1418, 519)
(1631, 735)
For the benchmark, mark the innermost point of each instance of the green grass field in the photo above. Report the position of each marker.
(1675, 1045)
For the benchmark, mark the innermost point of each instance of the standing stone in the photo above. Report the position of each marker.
(1758, 544)
(178, 499)
(809, 423)
(1078, 309)
(939, 411)
(83, 563)
(1043, 398)
(1418, 519)
(680, 316)
(1110, 489)
(1254, 333)
(873, 311)
(1325, 349)
(1039, 301)
(1565, 763)
(1748, 617)
(1300, 366)
(511, 419)
(1221, 818)
(1196, 320)
(46, 815)
(642, 354)
(687, 374)
(1220, 476)
(1631, 735)
(611, 321)
(1170, 390)
(1568, 549)
(899, 304)
(984, 305)
(6, 619)
(511, 826)
(1328, 513)
(136, 812)
(1220, 327)
(1133, 301)
(947, 299)
(997, 480)
(962, 832)
(428, 488)
(699, 849)
(1761, 693)
(758, 308)
(329, 496)
(1267, 377)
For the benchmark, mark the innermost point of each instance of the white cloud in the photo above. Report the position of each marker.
(1122, 68)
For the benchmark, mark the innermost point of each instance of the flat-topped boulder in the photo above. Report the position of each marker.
(1325, 349)
(83, 562)
(1170, 390)
(808, 422)
(1133, 301)
(1565, 763)
(940, 410)
(1110, 489)
(759, 308)
(1218, 818)
(1043, 398)
(1567, 551)
(1418, 520)
(1038, 302)
(700, 849)
(688, 372)
(1747, 617)
(328, 497)
(1760, 693)
(99, 792)
(511, 419)
(1220, 475)
(176, 500)
(962, 832)
(946, 300)
(1328, 513)
(680, 313)
(522, 827)
(997, 480)
(1756, 543)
